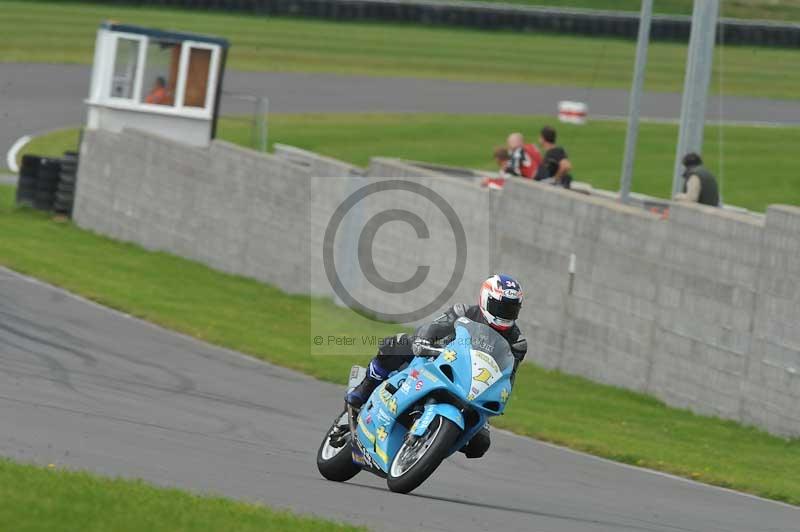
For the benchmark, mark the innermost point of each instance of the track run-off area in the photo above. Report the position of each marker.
(85, 387)
(40, 97)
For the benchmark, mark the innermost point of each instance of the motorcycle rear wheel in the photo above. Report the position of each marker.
(416, 461)
(336, 463)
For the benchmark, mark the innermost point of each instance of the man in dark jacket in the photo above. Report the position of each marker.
(699, 185)
(556, 164)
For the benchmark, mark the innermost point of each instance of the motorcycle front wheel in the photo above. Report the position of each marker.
(336, 463)
(418, 458)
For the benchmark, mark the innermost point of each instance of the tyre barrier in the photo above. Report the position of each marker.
(498, 17)
(47, 183)
(65, 192)
(26, 186)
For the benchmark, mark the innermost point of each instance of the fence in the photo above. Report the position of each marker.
(248, 110)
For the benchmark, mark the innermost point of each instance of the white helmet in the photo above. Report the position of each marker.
(500, 301)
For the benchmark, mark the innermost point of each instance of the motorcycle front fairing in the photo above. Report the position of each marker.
(481, 365)
(467, 383)
(384, 421)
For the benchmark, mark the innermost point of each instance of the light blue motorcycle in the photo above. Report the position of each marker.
(421, 415)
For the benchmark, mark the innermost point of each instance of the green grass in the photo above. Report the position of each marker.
(65, 33)
(777, 10)
(36, 499)
(595, 149)
(257, 319)
(52, 144)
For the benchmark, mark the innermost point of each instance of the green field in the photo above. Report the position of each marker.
(777, 10)
(595, 149)
(260, 320)
(64, 33)
(37, 499)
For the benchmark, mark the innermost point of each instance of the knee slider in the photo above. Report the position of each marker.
(478, 445)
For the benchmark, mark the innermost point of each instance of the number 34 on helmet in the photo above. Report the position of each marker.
(500, 301)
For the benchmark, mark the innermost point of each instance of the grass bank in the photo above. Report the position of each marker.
(595, 149)
(259, 320)
(777, 10)
(60, 32)
(36, 499)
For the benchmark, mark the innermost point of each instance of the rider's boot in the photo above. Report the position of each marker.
(359, 395)
(479, 444)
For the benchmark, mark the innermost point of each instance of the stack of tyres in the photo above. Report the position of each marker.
(65, 192)
(46, 184)
(26, 186)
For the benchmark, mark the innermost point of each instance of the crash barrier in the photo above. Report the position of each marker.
(67, 177)
(28, 180)
(47, 183)
(500, 17)
(700, 310)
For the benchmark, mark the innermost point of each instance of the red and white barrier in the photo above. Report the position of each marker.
(572, 112)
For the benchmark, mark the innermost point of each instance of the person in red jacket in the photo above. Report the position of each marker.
(525, 158)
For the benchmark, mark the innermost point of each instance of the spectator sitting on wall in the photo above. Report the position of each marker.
(502, 158)
(556, 164)
(699, 185)
(159, 95)
(525, 159)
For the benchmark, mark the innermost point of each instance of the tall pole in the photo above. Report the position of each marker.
(635, 100)
(696, 83)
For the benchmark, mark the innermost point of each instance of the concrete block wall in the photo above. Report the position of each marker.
(398, 250)
(707, 294)
(600, 322)
(612, 310)
(274, 215)
(212, 205)
(534, 242)
(771, 391)
(700, 310)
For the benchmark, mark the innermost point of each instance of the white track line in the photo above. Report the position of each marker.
(11, 156)
(709, 122)
(645, 470)
(11, 274)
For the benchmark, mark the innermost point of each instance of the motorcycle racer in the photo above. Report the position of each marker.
(498, 306)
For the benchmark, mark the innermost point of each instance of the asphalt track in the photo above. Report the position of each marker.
(85, 387)
(39, 97)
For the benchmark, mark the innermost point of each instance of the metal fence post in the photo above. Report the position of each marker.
(258, 129)
(635, 100)
(263, 117)
(695, 90)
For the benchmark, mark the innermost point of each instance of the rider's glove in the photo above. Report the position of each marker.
(421, 347)
(519, 348)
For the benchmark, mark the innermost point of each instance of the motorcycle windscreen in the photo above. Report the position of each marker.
(486, 340)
